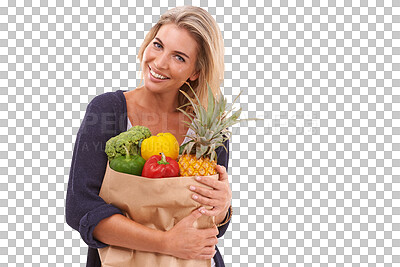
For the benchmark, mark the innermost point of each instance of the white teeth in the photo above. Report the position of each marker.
(157, 75)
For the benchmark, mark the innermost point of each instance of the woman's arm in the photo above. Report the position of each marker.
(84, 208)
(182, 241)
(120, 231)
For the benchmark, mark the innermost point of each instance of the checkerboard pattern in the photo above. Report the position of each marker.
(315, 182)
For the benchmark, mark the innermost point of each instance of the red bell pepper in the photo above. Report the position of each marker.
(160, 166)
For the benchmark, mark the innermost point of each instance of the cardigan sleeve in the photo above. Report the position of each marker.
(223, 159)
(84, 207)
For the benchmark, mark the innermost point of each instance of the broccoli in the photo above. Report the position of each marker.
(131, 139)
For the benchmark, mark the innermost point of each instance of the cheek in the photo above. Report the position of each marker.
(147, 54)
(182, 71)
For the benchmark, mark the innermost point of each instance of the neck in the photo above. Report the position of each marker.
(160, 102)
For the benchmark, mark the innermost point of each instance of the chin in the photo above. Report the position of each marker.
(155, 88)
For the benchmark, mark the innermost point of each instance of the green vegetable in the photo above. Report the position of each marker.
(130, 140)
(131, 164)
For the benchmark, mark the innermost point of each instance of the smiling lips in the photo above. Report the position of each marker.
(156, 75)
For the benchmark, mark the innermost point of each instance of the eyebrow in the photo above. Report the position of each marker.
(178, 52)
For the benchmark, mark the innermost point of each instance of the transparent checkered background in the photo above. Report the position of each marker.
(315, 183)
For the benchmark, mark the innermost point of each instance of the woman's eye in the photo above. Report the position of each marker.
(180, 58)
(157, 45)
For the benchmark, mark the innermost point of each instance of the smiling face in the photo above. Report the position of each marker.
(169, 60)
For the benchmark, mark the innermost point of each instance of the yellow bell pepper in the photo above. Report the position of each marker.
(163, 142)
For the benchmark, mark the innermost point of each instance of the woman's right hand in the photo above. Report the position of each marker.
(187, 242)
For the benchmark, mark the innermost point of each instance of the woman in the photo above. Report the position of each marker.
(184, 46)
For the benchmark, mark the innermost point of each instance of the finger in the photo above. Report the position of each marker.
(192, 217)
(210, 232)
(203, 191)
(208, 251)
(209, 181)
(206, 201)
(223, 177)
(212, 241)
(212, 212)
(206, 256)
(223, 174)
(221, 170)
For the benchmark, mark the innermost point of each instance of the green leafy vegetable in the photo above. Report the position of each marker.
(130, 139)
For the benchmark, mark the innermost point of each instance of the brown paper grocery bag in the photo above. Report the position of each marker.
(155, 203)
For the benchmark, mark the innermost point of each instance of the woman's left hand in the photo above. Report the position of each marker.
(219, 197)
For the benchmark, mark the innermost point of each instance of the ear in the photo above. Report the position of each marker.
(194, 76)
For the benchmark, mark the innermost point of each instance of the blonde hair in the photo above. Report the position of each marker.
(210, 58)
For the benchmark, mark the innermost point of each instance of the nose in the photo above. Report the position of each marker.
(161, 61)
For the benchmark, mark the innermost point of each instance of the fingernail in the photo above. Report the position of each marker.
(192, 187)
(202, 210)
(195, 197)
(198, 178)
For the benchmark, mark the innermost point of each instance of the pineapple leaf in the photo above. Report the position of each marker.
(232, 119)
(236, 115)
(188, 149)
(204, 141)
(236, 98)
(213, 155)
(190, 137)
(203, 116)
(222, 106)
(184, 105)
(198, 127)
(185, 113)
(182, 147)
(188, 123)
(200, 151)
(230, 107)
(224, 148)
(197, 98)
(189, 98)
(209, 135)
(211, 105)
(198, 109)
(210, 124)
(191, 126)
(216, 112)
(212, 150)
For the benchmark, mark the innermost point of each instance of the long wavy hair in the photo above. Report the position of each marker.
(210, 58)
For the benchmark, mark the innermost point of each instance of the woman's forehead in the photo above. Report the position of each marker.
(177, 38)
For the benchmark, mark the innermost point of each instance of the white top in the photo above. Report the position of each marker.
(189, 132)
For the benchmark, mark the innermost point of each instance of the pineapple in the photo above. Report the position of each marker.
(210, 132)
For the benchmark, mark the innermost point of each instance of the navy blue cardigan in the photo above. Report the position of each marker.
(106, 116)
